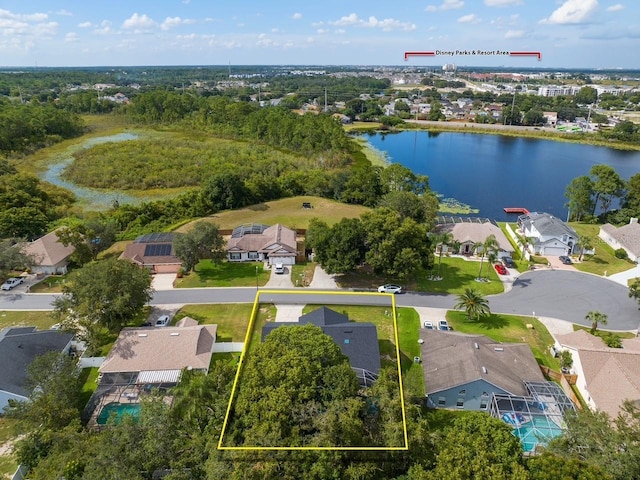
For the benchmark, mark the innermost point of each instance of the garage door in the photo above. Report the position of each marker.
(554, 251)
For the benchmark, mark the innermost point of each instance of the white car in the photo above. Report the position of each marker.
(12, 282)
(443, 325)
(279, 269)
(389, 288)
(429, 325)
(163, 321)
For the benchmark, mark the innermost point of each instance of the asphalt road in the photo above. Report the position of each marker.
(552, 293)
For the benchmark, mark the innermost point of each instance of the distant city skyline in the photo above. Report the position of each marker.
(567, 33)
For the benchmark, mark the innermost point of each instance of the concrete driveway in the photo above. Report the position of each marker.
(322, 279)
(556, 264)
(280, 280)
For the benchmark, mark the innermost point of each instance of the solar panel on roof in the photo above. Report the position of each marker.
(157, 250)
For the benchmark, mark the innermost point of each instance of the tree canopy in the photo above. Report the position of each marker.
(202, 241)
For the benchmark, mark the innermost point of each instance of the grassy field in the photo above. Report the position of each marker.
(287, 211)
(457, 275)
(604, 259)
(232, 319)
(8, 466)
(41, 320)
(376, 157)
(225, 274)
(509, 329)
(302, 273)
(51, 284)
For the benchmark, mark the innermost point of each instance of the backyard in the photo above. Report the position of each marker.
(509, 329)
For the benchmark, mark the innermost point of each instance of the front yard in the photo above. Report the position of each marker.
(225, 274)
(232, 319)
(41, 320)
(509, 329)
(457, 275)
(604, 260)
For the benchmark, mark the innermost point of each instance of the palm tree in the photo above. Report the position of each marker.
(492, 256)
(442, 239)
(596, 318)
(490, 244)
(585, 243)
(474, 303)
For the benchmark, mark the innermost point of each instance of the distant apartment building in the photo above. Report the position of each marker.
(555, 90)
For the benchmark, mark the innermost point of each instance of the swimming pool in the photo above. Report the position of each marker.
(539, 430)
(118, 410)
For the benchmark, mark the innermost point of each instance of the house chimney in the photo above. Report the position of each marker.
(633, 220)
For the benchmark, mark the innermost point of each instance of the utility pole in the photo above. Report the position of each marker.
(325, 99)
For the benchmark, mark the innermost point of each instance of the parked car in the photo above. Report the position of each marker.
(501, 269)
(12, 282)
(428, 325)
(163, 321)
(443, 325)
(389, 288)
(566, 260)
(279, 268)
(508, 262)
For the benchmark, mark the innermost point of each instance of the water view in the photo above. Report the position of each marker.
(490, 172)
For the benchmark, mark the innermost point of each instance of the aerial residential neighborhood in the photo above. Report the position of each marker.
(381, 241)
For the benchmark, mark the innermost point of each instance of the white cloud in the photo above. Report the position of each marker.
(105, 28)
(471, 18)
(172, 22)
(296, 16)
(572, 12)
(502, 3)
(71, 37)
(387, 24)
(30, 17)
(514, 34)
(275, 30)
(615, 8)
(64, 13)
(139, 23)
(85, 25)
(446, 5)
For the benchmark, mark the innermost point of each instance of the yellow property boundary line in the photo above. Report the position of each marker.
(254, 311)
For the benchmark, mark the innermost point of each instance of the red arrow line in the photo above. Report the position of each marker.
(418, 54)
(526, 54)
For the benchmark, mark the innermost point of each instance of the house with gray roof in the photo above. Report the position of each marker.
(263, 243)
(626, 237)
(551, 236)
(606, 377)
(357, 340)
(19, 346)
(463, 371)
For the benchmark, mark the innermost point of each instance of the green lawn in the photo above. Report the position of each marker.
(50, 284)
(457, 275)
(41, 320)
(8, 466)
(287, 211)
(522, 265)
(232, 319)
(602, 333)
(509, 329)
(302, 273)
(604, 260)
(90, 377)
(225, 274)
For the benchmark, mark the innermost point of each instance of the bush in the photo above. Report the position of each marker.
(621, 253)
(612, 340)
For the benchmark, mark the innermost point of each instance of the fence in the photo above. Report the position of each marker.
(565, 382)
(226, 347)
(523, 251)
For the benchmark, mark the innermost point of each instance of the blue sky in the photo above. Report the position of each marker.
(568, 33)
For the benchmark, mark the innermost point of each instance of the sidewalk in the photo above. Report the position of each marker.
(623, 277)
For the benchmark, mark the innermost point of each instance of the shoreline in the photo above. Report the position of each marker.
(540, 133)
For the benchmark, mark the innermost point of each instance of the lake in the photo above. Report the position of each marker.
(490, 172)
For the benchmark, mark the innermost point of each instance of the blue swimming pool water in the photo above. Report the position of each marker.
(538, 430)
(119, 410)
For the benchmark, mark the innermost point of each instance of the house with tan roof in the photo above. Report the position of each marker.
(470, 233)
(464, 371)
(263, 243)
(49, 255)
(153, 251)
(606, 376)
(157, 355)
(626, 237)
